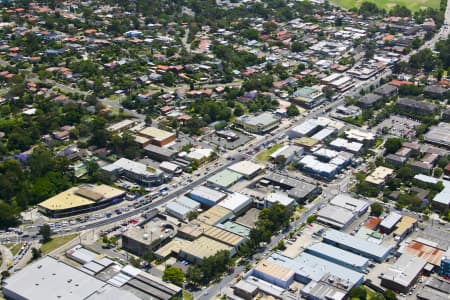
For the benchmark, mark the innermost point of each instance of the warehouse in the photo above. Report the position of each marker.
(226, 237)
(339, 256)
(214, 215)
(202, 248)
(281, 198)
(289, 152)
(235, 228)
(274, 273)
(170, 168)
(356, 245)
(182, 207)
(344, 144)
(307, 128)
(335, 216)
(325, 134)
(224, 179)
(238, 203)
(134, 171)
(158, 137)
(246, 168)
(388, 223)
(206, 196)
(358, 207)
(314, 166)
(402, 275)
(404, 227)
(297, 189)
(81, 199)
(423, 249)
(439, 135)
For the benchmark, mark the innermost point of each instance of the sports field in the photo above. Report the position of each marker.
(413, 5)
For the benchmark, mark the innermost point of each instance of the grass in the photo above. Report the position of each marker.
(265, 154)
(187, 295)
(15, 248)
(57, 242)
(388, 4)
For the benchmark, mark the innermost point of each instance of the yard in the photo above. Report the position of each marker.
(264, 155)
(388, 4)
(57, 242)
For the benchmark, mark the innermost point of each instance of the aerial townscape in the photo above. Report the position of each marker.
(225, 149)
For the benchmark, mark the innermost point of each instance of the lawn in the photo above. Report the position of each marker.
(264, 155)
(15, 248)
(187, 295)
(57, 242)
(388, 4)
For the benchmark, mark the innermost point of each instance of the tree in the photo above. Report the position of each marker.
(280, 160)
(46, 233)
(392, 145)
(194, 274)
(269, 27)
(328, 92)
(311, 219)
(405, 173)
(292, 110)
(174, 275)
(358, 292)
(438, 172)
(35, 253)
(390, 295)
(376, 209)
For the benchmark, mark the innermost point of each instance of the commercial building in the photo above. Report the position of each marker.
(134, 171)
(202, 248)
(81, 199)
(404, 227)
(122, 125)
(157, 136)
(224, 179)
(338, 81)
(206, 196)
(96, 279)
(297, 189)
(200, 155)
(356, 206)
(259, 124)
(308, 97)
(445, 264)
(439, 135)
(280, 198)
(362, 136)
(159, 154)
(379, 175)
(245, 290)
(246, 168)
(342, 144)
(235, 228)
(416, 107)
(307, 128)
(215, 215)
(238, 203)
(325, 134)
(170, 168)
(148, 237)
(182, 207)
(339, 256)
(369, 100)
(335, 216)
(403, 274)
(289, 152)
(386, 90)
(442, 199)
(435, 288)
(274, 273)
(423, 249)
(356, 245)
(435, 92)
(388, 224)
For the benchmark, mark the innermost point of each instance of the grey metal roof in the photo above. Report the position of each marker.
(338, 254)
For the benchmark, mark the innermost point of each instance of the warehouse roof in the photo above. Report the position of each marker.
(236, 202)
(235, 228)
(80, 196)
(155, 133)
(178, 208)
(281, 198)
(214, 215)
(339, 254)
(334, 215)
(205, 247)
(207, 193)
(405, 270)
(225, 178)
(348, 202)
(391, 220)
(274, 270)
(245, 167)
(361, 245)
(174, 246)
(223, 236)
(432, 254)
(404, 225)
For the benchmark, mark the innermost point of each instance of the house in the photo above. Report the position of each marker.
(369, 100)
(435, 92)
(416, 107)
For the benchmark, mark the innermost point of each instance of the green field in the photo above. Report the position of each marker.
(57, 242)
(413, 5)
(263, 156)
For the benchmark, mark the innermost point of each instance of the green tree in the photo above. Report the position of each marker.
(46, 233)
(292, 110)
(376, 209)
(358, 292)
(280, 160)
(438, 172)
(174, 275)
(390, 295)
(194, 274)
(392, 145)
(35, 253)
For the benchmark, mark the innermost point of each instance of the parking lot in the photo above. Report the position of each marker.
(229, 144)
(398, 126)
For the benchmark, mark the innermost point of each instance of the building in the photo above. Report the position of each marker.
(297, 189)
(148, 237)
(388, 224)
(245, 290)
(422, 167)
(215, 215)
(386, 91)
(246, 168)
(281, 198)
(200, 155)
(274, 273)
(379, 175)
(307, 128)
(339, 256)
(80, 199)
(206, 196)
(134, 171)
(314, 166)
(158, 137)
(361, 136)
(356, 245)
(182, 207)
(446, 115)
(335, 216)
(395, 160)
(435, 288)
(342, 144)
(308, 97)
(122, 125)
(439, 135)
(96, 279)
(403, 274)
(445, 264)
(170, 168)
(159, 154)
(338, 81)
(442, 200)
(224, 179)
(369, 101)
(356, 206)
(202, 248)
(406, 225)
(435, 92)
(237, 203)
(325, 134)
(423, 249)
(416, 107)
(259, 124)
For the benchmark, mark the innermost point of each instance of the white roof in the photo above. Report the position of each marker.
(235, 202)
(444, 196)
(200, 153)
(348, 202)
(131, 166)
(245, 168)
(283, 199)
(390, 221)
